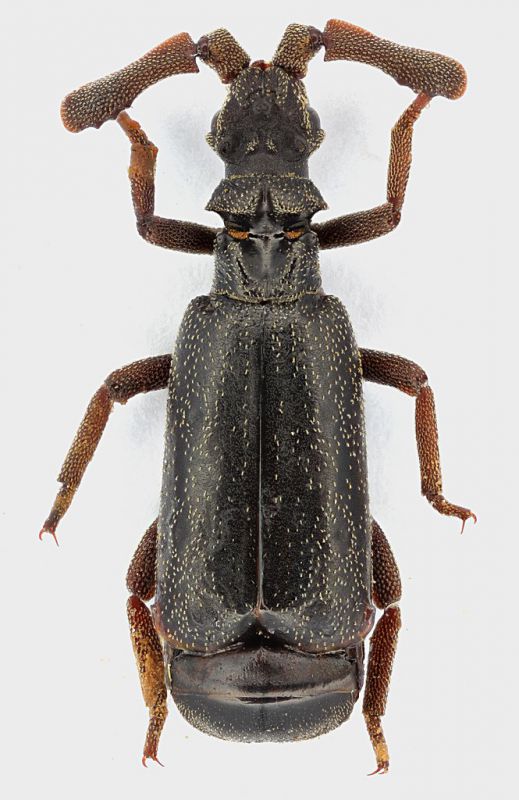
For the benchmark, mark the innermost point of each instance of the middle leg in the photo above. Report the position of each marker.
(411, 379)
(145, 375)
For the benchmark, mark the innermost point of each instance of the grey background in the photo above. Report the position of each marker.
(83, 294)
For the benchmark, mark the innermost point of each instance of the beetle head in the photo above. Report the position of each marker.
(266, 124)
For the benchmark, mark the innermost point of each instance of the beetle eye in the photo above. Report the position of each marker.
(295, 234)
(237, 234)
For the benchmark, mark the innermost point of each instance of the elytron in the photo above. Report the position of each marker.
(265, 564)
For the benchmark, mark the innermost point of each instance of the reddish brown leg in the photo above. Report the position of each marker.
(365, 225)
(171, 233)
(106, 98)
(140, 578)
(421, 70)
(387, 590)
(407, 376)
(141, 376)
(140, 581)
(428, 74)
(401, 153)
(94, 103)
(387, 586)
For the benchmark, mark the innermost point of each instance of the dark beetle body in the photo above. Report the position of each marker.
(264, 526)
(263, 594)
(265, 563)
(264, 533)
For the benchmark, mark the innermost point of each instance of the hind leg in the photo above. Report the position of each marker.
(387, 590)
(140, 581)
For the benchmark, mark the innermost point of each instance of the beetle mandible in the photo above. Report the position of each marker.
(265, 563)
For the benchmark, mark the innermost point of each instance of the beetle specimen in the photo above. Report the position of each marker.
(265, 563)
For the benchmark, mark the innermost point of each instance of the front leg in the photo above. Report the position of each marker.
(421, 70)
(122, 384)
(407, 376)
(426, 73)
(98, 101)
(365, 225)
(189, 237)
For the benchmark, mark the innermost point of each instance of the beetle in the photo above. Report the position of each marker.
(265, 564)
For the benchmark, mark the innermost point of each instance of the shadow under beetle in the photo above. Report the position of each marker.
(265, 563)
